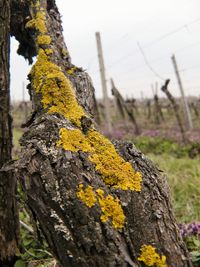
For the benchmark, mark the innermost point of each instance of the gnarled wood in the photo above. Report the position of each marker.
(51, 176)
(27, 48)
(75, 233)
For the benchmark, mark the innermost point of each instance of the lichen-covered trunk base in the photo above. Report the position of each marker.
(51, 177)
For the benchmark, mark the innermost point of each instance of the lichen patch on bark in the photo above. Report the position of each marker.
(115, 171)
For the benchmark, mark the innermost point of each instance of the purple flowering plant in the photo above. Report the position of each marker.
(191, 235)
(190, 229)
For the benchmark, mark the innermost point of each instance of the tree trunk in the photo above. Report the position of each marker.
(27, 47)
(8, 210)
(85, 192)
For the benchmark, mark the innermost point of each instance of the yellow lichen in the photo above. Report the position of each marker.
(56, 90)
(88, 196)
(115, 171)
(111, 208)
(73, 140)
(43, 40)
(64, 52)
(38, 22)
(72, 70)
(48, 51)
(58, 96)
(36, 4)
(151, 258)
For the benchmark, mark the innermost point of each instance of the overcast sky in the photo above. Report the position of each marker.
(162, 27)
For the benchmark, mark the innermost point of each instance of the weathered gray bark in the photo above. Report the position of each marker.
(76, 235)
(27, 48)
(8, 210)
(50, 177)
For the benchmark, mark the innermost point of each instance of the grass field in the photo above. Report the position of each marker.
(183, 175)
(17, 133)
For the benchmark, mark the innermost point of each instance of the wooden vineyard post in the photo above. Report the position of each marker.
(187, 113)
(103, 83)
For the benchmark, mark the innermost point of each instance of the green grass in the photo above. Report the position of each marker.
(17, 133)
(183, 175)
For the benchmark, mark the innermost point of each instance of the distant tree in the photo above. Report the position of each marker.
(8, 209)
(97, 203)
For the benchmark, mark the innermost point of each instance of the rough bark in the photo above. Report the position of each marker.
(74, 232)
(8, 210)
(51, 175)
(81, 81)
